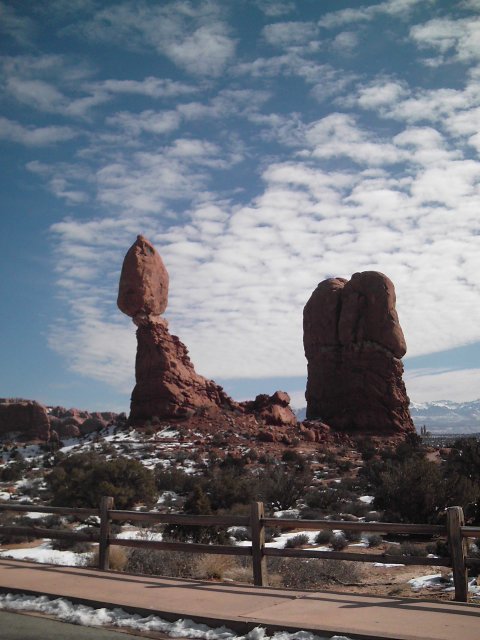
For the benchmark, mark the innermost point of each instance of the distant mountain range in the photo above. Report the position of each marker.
(445, 416)
(442, 416)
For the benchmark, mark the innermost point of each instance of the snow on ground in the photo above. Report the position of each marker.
(5, 495)
(280, 541)
(45, 554)
(287, 513)
(367, 499)
(433, 581)
(88, 616)
(139, 534)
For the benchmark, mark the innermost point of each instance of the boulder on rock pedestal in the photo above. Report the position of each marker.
(167, 385)
(143, 287)
(353, 344)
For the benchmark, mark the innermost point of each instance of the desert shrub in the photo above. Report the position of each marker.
(271, 533)
(297, 573)
(374, 540)
(82, 479)
(69, 544)
(11, 520)
(324, 499)
(296, 541)
(438, 548)
(173, 480)
(281, 486)
(161, 563)
(241, 534)
(293, 457)
(230, 485)
(339, 541)
(353, 536)
(359, 509)
(414, 550)
(324, 537)
(198, 503)
(412, 490)
(13, 472)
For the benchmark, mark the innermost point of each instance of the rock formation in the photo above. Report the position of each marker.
(273, 410)
(167, 385)
(24, 419)
(354, 344)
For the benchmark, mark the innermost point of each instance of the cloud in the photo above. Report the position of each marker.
(192, 35)
(460, 38)
(151, 86)
(285, 34)
(392, 8)
(32, 136)
(20, 28)
(427, 384)
(50, 84)
(275, 8)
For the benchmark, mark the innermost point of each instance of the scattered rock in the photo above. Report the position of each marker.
(353, 344)
(274, 409)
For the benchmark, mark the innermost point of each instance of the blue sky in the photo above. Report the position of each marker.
(262, 146)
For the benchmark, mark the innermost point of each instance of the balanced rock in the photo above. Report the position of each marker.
(143, 288)
(354, 344)
(167, 385)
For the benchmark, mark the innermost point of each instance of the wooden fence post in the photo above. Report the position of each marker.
(259, 560)
(458, 552)
(106, 503)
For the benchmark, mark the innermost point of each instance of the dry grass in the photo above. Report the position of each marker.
(118, 558)
(213, 567)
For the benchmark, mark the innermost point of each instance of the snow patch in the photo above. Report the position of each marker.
(88, 616)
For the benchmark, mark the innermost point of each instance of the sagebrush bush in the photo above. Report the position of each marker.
(324, 537)
(298, 573)
(374, 540)
(296, 541)
(339, 541)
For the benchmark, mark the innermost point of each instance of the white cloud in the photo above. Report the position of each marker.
(150, 86)
(275, 8)
(33, 136)
(460, 37)
(156, 122)
(393, 8)
(285, 34)
(425, 385)
(51, 84)
(192, 35)
(345, 42)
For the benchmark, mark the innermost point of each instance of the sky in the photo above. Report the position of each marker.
(262, 146)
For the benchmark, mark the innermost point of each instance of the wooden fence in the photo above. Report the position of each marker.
(455, 532)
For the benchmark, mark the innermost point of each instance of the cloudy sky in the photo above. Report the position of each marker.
(262, 146)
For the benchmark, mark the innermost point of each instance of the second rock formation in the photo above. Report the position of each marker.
(354, 344)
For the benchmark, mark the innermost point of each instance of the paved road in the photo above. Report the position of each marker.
(243, 607)
(15, 626)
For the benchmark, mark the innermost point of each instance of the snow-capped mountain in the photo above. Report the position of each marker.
(445, 416)
(442, 416)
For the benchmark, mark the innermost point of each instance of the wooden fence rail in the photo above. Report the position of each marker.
(455, 532)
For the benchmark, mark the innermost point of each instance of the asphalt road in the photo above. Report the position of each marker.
(17, 626)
